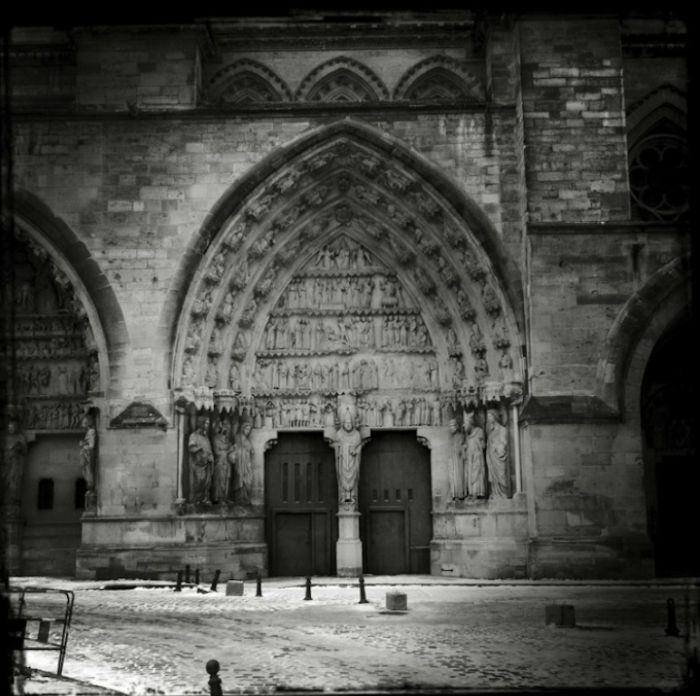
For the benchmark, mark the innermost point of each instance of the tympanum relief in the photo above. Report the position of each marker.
(51, 343)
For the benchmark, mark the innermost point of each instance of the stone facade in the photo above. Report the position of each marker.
(400, 226)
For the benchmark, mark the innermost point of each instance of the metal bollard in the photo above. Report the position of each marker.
(178, 583)
(215, 581)
(363, 596)
(187, 574)
(196, 576)
(308, 588)
(258, 586)
(214, 679)
(671, 626)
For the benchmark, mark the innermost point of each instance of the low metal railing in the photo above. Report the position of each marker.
(30, 626)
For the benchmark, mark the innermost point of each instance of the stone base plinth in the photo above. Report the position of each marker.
(348, 549)
(348, 558)
(157, 547)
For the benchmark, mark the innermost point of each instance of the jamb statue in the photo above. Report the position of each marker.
(242, 459)
(201, 462)
(497, 455)
(475, 470)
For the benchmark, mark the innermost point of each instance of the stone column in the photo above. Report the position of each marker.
(516, 450)
(181, 421)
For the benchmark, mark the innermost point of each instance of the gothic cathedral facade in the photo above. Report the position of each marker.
(379, 294)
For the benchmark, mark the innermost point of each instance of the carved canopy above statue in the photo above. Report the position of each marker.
(345, 270)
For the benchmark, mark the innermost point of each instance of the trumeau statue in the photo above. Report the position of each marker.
(497, 456)
(347, 442)
(201, 462)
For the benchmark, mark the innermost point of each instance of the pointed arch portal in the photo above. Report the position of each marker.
(346, 250)
(344, 275)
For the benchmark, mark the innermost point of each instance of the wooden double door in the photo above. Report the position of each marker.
(301, 497)
(395, 499)
(301, 500)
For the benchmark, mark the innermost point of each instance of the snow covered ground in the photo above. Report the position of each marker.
(152, 640)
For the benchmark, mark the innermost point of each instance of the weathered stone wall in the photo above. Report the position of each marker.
(576, 163)
(136, 192)
(580, 279)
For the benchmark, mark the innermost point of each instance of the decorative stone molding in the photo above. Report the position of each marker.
(439, 78)
(359, 263)
(247, 81)
(631, 321)
(342, 79)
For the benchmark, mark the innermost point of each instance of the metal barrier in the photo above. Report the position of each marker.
(24, 601)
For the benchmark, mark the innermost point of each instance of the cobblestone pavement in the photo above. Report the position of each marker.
(482, 636)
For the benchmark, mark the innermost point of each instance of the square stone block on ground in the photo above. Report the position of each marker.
(560, 615)
(396, 601)
(234, 588)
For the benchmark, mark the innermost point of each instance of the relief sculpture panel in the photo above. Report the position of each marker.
(344, 324)
(54, 351)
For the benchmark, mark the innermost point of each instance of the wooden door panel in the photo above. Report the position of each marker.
(386, 553)
(395, 476)
(292, 544)
(301, 502)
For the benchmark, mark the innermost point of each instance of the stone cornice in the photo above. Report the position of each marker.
(565, 409)
(622, 227)
(281, 110)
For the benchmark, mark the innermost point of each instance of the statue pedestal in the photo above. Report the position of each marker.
(348, 548)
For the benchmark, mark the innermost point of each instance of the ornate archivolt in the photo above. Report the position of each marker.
(345, 273)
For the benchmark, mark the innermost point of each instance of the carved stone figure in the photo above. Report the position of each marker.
(222, 464)
(347, 443)
(456, 461)
(15, 455)
(475, 469)
(242, 459)
(201, 462)
(497, 456)
(88, 454)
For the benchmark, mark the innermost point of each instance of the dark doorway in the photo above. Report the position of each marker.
(301, 500)
(671, 472)
(395, 504)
